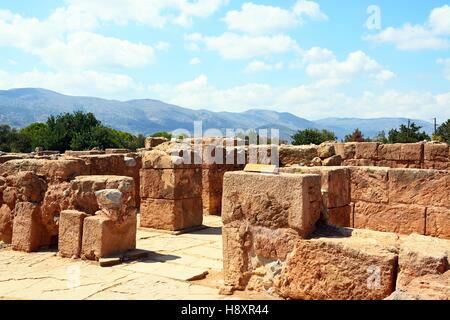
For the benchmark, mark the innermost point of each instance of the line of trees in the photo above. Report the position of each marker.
(404, 134)
(68, 131)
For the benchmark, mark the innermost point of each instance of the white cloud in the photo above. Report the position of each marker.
(89, 83)
(59, 44)
(195, 61)
(260, 19)
(258, 66)
(311, 101)
(336, 72)
(154, 13)
(446, 64)
(162, 46)
(235, 46)
(309, 9)
(431, 35)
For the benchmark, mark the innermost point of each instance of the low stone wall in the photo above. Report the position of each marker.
(272, 243)
(404, 201)
(412, 155)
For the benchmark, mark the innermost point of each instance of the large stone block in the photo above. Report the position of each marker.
(339, 217)
(437, 165)
(171, 214)
(83, 188)
(212, 203)
(438, 222)
(27, 229)
(403, 219)
(171, 183)
(412, 152)
(272, 201)
(104, 238)
(436, 152)
(367, 150)
(369, 184)
(425, 187)
(390, 151)
(152, 142)
(173, 159)
(340, 267)
(429, 287)
(346, 150)
(6, 221)
(70, 233)
(419, 256)
(292, 155)
(335, 183)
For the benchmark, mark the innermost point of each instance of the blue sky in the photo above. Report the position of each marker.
(312, 58)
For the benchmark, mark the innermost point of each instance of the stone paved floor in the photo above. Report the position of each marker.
(173, 259)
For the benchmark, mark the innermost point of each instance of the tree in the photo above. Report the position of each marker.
(443, 132)
(37, 133)
(163, 134)
(356, 136)
(312, 136)
(407, 134)
(380, 137)
(12, 141)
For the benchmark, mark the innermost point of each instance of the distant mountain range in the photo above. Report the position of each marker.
(20, 107)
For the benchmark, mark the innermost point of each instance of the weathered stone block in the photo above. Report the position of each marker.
(171, 183)
(27, 230)
(212, 204)
(419, 256)
(263, 201)
(359, 163)
(292, 155)
(339, 268)
(412, 152)
(390, 151)
(212, 179)
(339, 217)
(326, 150)
(438, 222)
(369, 184)
(398, 218)
(158, 159)
(104, 238)
(367, 150)
(152, 142)
(6, 220)
(437, 165)
(423, 187)
(429, 287)
(335, 183)
(436, 152)
(171, 214)
(70, 233)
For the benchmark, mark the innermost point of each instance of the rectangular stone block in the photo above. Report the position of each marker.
(438, 222)
(335, 183)
(359, 162)
(403, 219)
(420, 256)
(339, 217)
(212, 204)
(272, 201)
(171, 183)
(369, 184)
(171, 214)
(104, 238)
(70, 233)
(345, 150)
(438, 165)
(412, 152)
(390, 151)
(294, 155)
(212, 179)
(27, 230)
(436, 152)
(340, 268)
(367, 150)
(424, 187)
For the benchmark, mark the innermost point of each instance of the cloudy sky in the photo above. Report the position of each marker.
(315, 59)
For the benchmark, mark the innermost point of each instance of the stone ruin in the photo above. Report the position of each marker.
(339, 221)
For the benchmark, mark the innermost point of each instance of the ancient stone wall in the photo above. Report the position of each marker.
(272, 243)
(412, 155)
(404, 201)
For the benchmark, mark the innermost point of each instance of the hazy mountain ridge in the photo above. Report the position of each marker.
(20, 107)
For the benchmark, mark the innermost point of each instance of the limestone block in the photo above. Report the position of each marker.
(27, 232)
(171, 183)
(339, 217)
(367, 150)
(436, 152)
(272, 201)
(438, 222)
(326, 150)
(103, 238)
(423, 187)
(369, 184)
(171, 214)
(70, 233)
(403, 219)
(292, 155)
